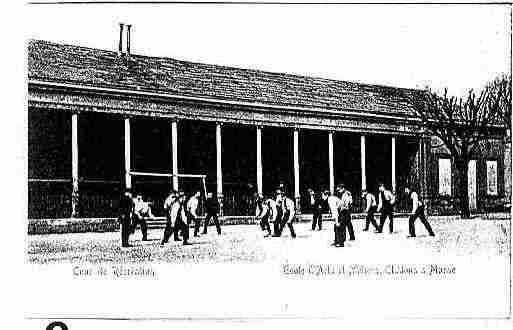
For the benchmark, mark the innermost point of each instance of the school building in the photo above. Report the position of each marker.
(101, 120)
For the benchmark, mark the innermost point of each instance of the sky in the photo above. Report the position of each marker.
(460, 47)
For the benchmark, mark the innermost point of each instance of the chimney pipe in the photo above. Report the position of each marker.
(120, 47)
(128, 39)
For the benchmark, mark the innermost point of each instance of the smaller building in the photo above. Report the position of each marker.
(488, 186)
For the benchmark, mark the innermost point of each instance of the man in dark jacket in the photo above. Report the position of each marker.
(126, 208)
(386, 207)
(316, 205)
(212, 211)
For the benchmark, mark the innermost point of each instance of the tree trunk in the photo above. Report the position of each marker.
(462, 184)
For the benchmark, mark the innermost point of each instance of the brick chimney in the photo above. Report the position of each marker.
(120, 46)
(128, 26)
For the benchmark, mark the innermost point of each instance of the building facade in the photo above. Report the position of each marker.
(100, 121)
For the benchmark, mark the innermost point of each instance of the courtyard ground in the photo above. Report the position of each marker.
(481, 235)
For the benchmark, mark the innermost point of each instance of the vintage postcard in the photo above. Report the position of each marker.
(218, 161)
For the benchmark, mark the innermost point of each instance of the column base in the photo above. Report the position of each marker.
(298, 204)
(74, 204)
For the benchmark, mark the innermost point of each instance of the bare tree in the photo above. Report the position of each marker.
(500, 98)
(462, 124)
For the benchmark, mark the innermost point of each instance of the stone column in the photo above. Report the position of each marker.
(393, 165)
(259, 159)
(128, 178)
(423, 171)
(174, 152)
(296, 169)
(362, 162)
(74, 165)
(219, 169)
(331, 161)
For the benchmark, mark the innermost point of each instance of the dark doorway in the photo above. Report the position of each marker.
(197, 154)
(277, 159)
(101, 163)
(239, 169)
(347, 164)
(151, 152)
(378, 161)
(49, 164)
(407, 169)
(314, 165)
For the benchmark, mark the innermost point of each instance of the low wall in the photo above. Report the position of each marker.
(71, 225)
(81, 225)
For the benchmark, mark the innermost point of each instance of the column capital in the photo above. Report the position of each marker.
(259, 126)
(219, 123)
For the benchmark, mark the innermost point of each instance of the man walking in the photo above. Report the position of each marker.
(288, 213)
(181, 223)
(346, 200)
(176, 220)
(386, 207)
(370, 208)
(316, 205)
(266, 211)
(168, 203)
(126, 208)
(417, 211)
(212, 212)
(142, 211)
(191, 211)
(335, 207)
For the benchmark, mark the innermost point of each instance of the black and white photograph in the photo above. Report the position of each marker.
(258, 161)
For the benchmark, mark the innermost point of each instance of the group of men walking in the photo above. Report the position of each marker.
(180, 213)
(386, 208)
(133, 212)
(278, 209)
(340, 208)
(340, 202)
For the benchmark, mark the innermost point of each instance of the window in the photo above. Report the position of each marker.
(444, 177)
(491, 177)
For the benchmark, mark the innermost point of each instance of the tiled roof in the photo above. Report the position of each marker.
(53, 62)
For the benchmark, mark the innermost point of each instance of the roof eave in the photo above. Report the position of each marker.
(343, 113)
